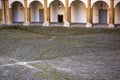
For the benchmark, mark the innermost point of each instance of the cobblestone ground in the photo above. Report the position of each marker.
(31, 56)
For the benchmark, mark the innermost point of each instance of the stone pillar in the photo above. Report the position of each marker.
(111, 15)
(3, 11)
(29, 15)
(46, 14)
(0, 16)
(89, 15)
(26, 22)
(66, 21)
(8, 13)
(69, 13)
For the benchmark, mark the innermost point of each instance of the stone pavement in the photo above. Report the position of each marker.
(31, 56)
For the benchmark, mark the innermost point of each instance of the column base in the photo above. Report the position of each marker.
(3, 23)
(66, 24)
(88, 25)
(46, 24)
(9, 23)
(111, 26)
(26, 23)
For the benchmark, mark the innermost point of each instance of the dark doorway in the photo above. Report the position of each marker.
(60, 18)
(103, 16)
(41, 11)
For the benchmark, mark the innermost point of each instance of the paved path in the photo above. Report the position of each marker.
(29, 56)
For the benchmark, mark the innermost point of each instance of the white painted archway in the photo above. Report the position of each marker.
(17, 12)
(56, 10)
(116, 2)
(37, 12)
(50, 1)
(12, 1)
(98, 7)
(39, 1)
(83, 1)
(95, 1)
(78, 12)
(117, 13)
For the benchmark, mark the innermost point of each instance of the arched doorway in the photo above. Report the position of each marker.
(78, 12)
(17, 12)
(56, 12)
(37, 12)
(100, 13)
(117, 13)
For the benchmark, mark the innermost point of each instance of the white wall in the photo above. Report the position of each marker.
(35, 6)
(0, 5)
(117, 14)
(18, 13)
(55, 11)
(78, 12)
(96, 8)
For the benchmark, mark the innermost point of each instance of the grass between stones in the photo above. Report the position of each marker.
(62, 31)
(49, 73)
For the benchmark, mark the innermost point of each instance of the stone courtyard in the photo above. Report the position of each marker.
(59, 54)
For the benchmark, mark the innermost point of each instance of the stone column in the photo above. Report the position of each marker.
(46, 14)
(25, 13)
(66, 21)
(89, 15)
(69, 13)
(3, 11)
(0, 16)
(29, 15)
(8, 13)
(111, 15)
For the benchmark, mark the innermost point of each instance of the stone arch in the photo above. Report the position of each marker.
(100, 12)
(57, 10)
(95, 1)
(50, 1)
(116, 2)
(36, 11)
(78, 12)
(17, 11)
(13, 1)
(30, 1)
(83, 1)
